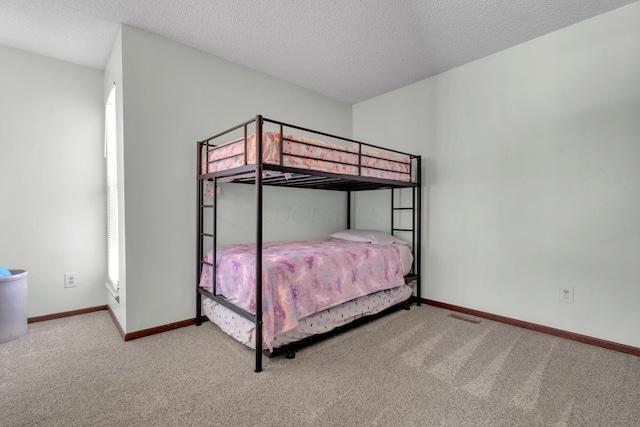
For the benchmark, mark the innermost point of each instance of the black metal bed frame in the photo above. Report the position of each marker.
(297, 178)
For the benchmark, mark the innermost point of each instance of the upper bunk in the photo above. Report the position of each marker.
(293, 156)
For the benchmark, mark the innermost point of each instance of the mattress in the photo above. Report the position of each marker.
(302, 278)
(311, 154)
(243, 330)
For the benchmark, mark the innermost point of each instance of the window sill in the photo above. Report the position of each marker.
(115, 293)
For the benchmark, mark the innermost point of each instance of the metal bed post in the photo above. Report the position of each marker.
(199, 189)
(348, 210)
(258, 184)
(281, 154)
(393, 213)
(413, 217)
(214, 249)
(418, 230)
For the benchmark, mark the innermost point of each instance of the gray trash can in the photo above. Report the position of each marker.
(13, 305)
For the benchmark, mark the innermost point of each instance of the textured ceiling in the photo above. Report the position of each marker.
(350, 50)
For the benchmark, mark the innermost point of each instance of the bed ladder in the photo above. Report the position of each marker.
(414, 229)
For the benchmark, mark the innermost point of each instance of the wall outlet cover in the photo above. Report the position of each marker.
(70, 280)
(566, 294)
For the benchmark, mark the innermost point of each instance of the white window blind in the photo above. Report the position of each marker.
(111, 153)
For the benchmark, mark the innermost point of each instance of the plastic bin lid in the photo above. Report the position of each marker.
(15, 275)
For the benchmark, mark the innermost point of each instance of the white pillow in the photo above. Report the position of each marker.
(368, 236)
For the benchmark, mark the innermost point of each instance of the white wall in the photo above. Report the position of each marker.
(52, 191)
(173, 97)
(535, 160)
(401, 120)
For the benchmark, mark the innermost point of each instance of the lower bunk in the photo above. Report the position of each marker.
(313, 327)
(309, 288)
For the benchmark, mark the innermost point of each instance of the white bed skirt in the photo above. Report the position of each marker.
(243, 329)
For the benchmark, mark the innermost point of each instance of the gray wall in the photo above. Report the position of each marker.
(173, 97)
(533, 164)
(52, 179)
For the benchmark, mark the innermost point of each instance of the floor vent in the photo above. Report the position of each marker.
(465, 318)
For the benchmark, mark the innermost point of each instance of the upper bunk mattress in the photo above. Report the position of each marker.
(302, 278)
(305, 153)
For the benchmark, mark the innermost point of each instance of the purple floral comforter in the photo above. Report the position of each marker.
(303, 278)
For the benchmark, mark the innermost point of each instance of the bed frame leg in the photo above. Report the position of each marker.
(198, 309)
(290, 354)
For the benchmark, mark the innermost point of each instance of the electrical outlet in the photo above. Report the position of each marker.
(566, 294)
(70, 280)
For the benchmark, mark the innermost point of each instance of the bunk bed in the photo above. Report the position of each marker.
(277, 297)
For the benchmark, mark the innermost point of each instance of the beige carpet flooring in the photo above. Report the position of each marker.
(412, 368)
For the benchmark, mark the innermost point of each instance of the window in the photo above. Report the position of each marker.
(111, 154)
